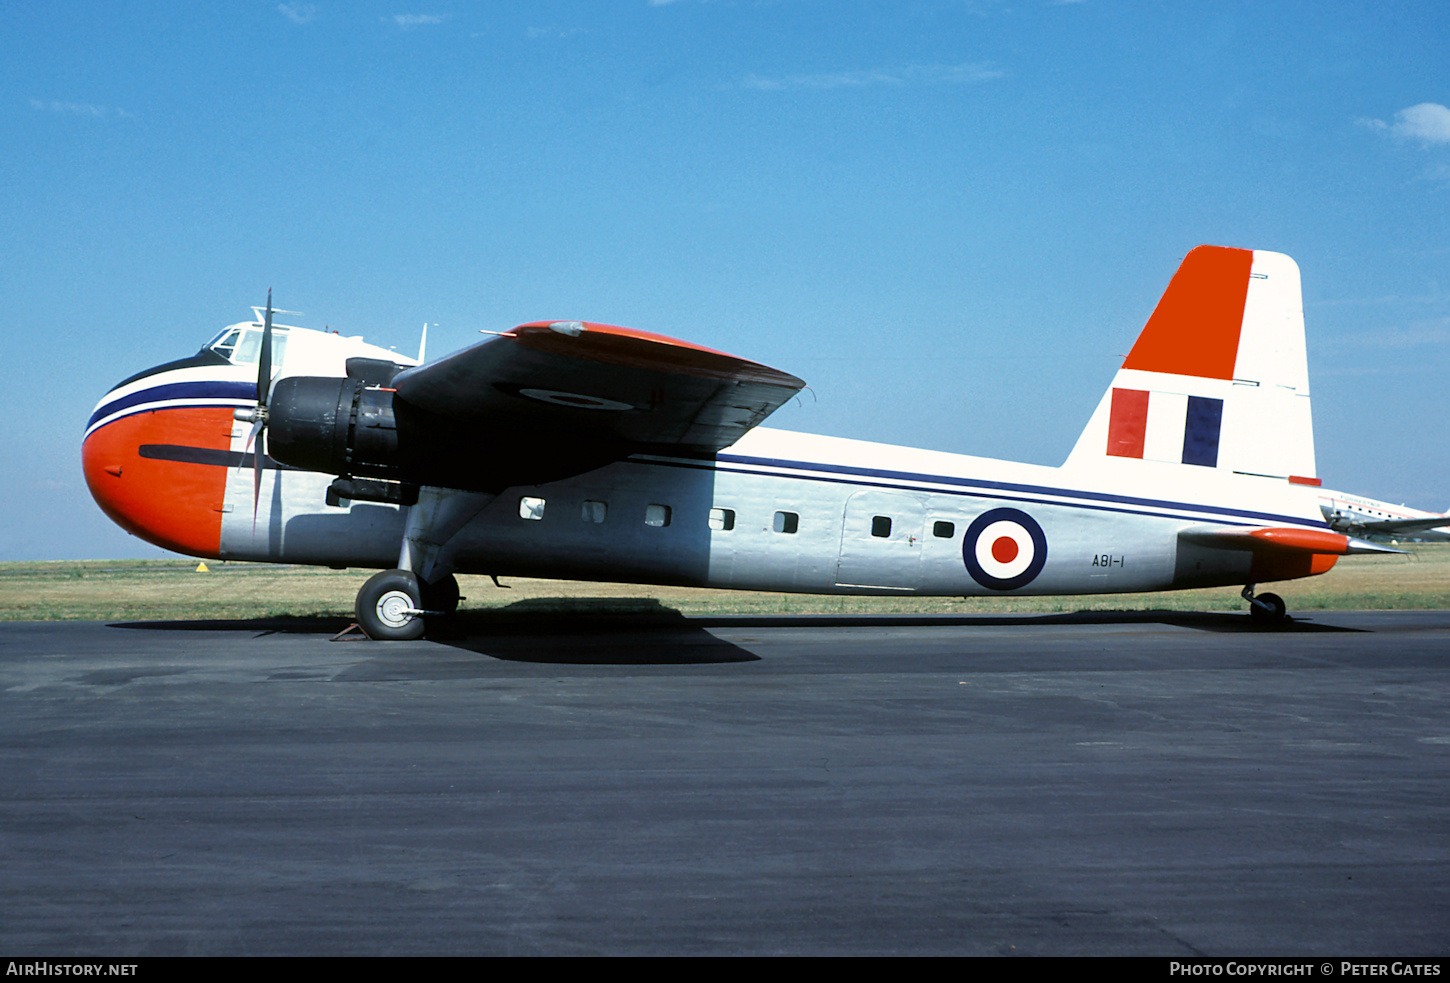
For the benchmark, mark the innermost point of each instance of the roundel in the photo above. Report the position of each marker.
(1004, 549)
(576, 400)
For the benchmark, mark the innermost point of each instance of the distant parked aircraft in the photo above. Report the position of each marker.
(1356, 516)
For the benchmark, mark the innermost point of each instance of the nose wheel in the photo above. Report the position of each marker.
(1266, 609)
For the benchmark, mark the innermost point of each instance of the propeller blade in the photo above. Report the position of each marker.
(258, 416)
(264, 363)
(256, 483)
(251, 437)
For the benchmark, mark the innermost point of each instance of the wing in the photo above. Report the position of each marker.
(551, 399)
(1387, 527)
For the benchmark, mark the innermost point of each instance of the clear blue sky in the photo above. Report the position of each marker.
(950, 218)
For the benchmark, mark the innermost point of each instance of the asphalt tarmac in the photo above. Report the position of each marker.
(1139, 784)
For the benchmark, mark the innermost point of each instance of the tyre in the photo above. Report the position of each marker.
(1276, 613)
(385, 605)
(441, 595)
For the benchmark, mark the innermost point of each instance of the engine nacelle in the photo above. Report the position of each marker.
(358, 427)
(337, 426)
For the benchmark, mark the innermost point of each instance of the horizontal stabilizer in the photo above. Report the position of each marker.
(1287, 539)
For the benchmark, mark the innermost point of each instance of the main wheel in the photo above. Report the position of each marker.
(441, 595)
(1277, 610)
(440, 600)
(385, 605)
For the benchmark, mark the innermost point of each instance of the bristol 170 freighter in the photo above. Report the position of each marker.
(578, 450)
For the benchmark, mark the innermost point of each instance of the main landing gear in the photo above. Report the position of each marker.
(1266, 609)
(396, 606)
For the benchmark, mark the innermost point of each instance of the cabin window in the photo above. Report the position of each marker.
(723, 519)
(657, 515)
(594, 511)
(881, 526)
(786, 522)
(943, 530)
(531, 508)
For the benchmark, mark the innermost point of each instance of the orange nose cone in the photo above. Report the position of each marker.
(144, 472)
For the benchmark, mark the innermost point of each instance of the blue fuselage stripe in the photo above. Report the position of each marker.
(1095, 501)
(218, 390)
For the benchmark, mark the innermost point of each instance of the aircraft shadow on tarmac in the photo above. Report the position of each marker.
(572, 631)
(1199, 620)
(640, 631)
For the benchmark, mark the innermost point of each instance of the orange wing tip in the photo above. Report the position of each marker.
(614, 345)
(539, 331)
(1295, 479)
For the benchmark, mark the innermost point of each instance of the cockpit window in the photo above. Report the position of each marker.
(225, 342)
(249, 348)
(243, 346)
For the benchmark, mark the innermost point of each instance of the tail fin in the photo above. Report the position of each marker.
(1218, 378)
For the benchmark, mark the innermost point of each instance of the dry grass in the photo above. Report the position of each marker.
(144, 590)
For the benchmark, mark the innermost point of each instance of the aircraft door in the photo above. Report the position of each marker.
(881, 540)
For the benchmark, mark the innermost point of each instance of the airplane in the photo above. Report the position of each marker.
(586, 451)
(1357, 516)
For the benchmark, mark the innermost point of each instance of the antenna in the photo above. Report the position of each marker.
(276, 310)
